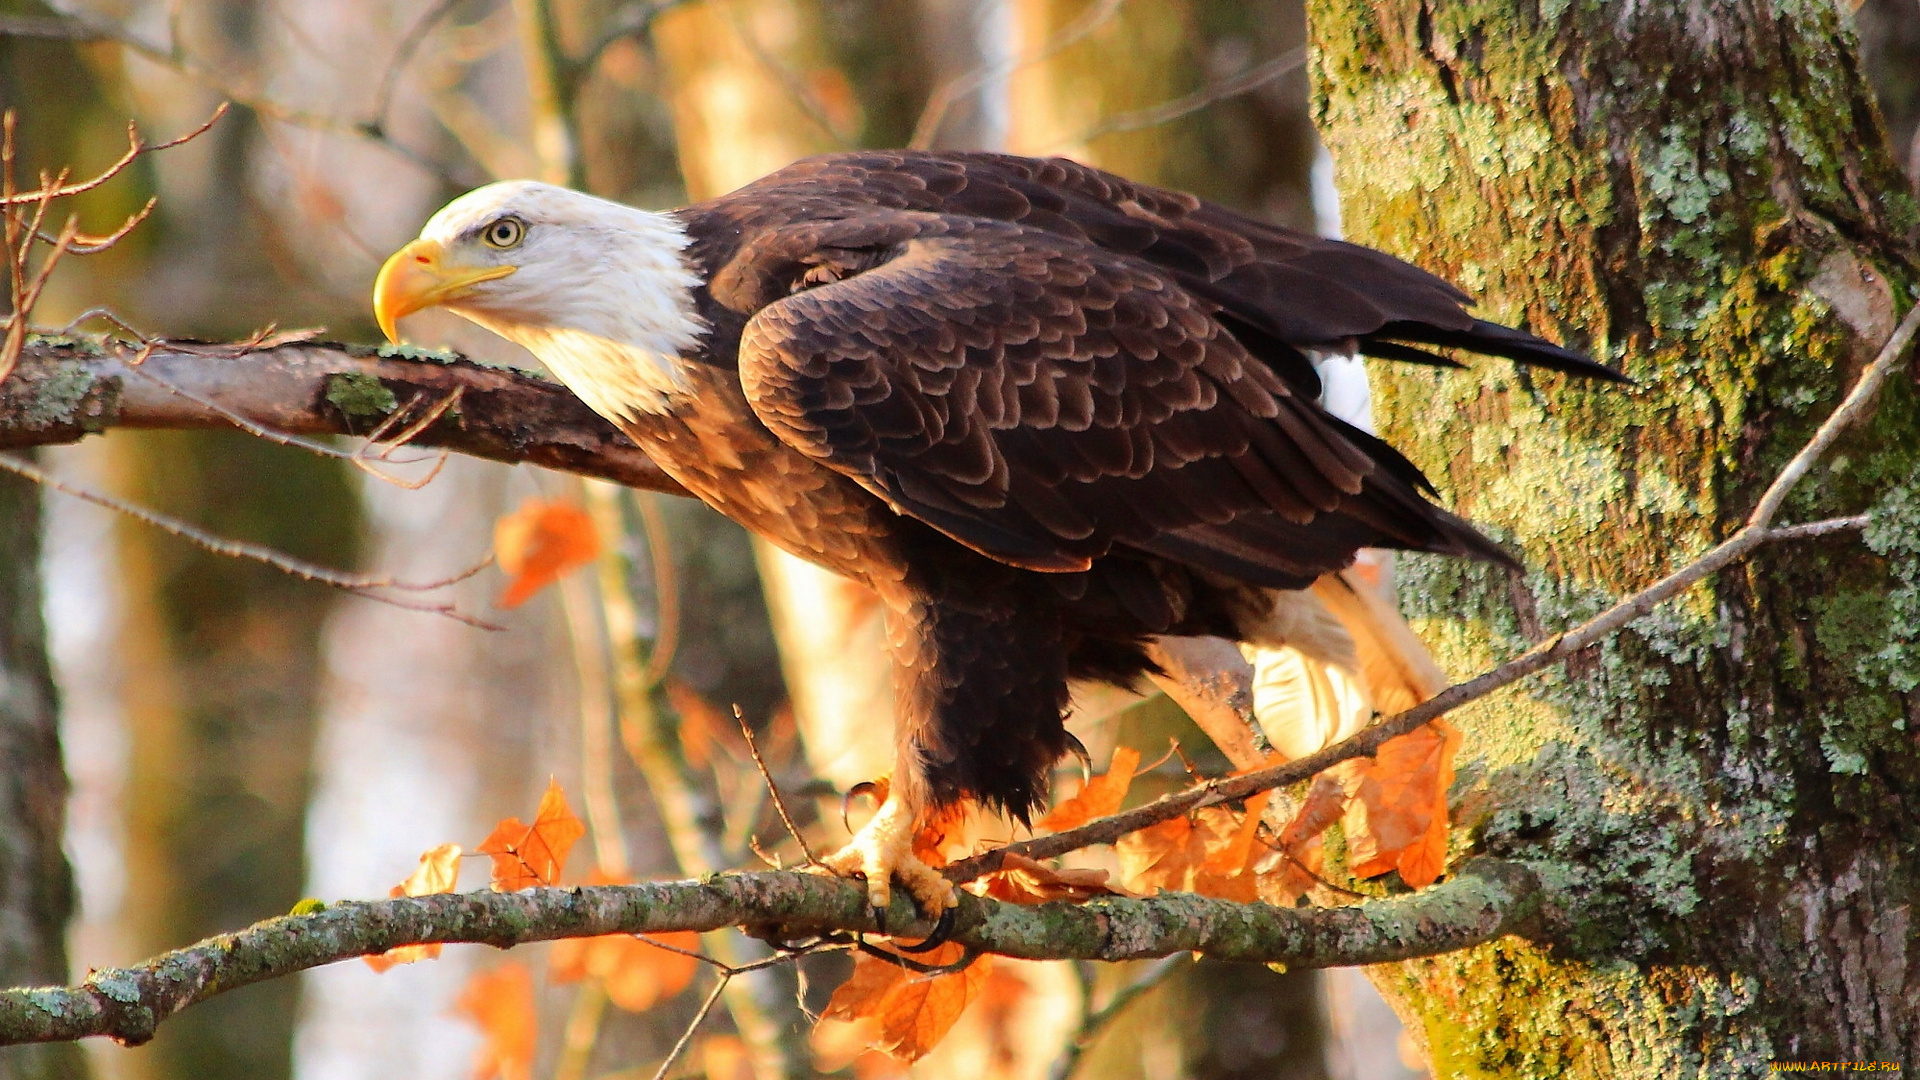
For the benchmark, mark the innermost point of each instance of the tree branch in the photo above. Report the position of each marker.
(1486, 900)
(62, 392)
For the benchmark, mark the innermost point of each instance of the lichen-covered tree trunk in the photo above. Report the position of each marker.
(1724, 797)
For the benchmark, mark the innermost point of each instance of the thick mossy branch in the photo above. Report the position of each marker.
(1485, 901)
(63, 391)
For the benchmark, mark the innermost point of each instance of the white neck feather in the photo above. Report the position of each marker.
(617, 379)
(605, 302)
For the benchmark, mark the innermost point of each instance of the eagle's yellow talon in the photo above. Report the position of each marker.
(882, 852)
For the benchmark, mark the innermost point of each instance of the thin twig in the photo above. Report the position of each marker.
(136, 148)
(950, 92)
(797, 91)
(73, 27)
(1165, 113)
(1810, 529)
(1752, 535)
(582, 1031)
(1865, 389)
(1097, 1022)
(619, 28)
(410, 43)
(357, 584)
(779, 804)
(357, 457)
(686, 1036)
(595, 696)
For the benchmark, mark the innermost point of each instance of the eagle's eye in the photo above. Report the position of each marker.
(505, 233)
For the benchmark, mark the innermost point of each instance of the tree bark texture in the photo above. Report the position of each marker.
(36, 885)
(1726, 792)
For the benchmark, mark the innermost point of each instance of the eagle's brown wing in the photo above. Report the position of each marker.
(1280, 292)
(1041, 399)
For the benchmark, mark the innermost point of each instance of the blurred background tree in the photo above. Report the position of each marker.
(237, 739)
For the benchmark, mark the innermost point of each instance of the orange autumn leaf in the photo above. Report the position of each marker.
(636, 972)
(1325, 801)
(840, 1045)
(1397, 816)
(725, 1057)
(438, 872)
(908, 1012)
(528, 855)
(1211, 852)
(538, 543)
(703, 727)
(500, 1001)
(1233, 855)
(1021, 880)
(1101, 796)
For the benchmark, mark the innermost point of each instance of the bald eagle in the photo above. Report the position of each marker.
(1047, 414)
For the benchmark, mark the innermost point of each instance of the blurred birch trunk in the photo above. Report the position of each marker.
(752, 88)
(36, 885)
(222, 656)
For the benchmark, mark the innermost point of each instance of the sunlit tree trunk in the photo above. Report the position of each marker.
(1723, 794)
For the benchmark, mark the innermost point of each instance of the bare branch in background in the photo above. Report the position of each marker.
(1167, 112)
(372, 588)
(403, 53)
(22, 215)
(1098, 1020)
(949, 93)
(78, 28)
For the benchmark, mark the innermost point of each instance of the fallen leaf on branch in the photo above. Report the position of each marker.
(908, 1012)
(528, 855)
(1397, 813)
(1101, 796)
(1326, 801)
(1210, 852)
(1021, 880)
(1286, 871)
(538, 543)
(438, 872)
(500, 1001)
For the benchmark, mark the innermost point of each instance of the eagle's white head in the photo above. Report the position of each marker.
(600, 292)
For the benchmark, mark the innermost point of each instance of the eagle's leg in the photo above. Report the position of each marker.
(980, 684)
(882, 852)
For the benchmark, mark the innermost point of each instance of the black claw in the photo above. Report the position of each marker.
(865, 787)
(942, 933)
(1079, 750)
(879, 919)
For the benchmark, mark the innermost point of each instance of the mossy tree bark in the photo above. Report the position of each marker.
(1726, 794)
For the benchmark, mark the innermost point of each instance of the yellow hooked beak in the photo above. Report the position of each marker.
(417, 277)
